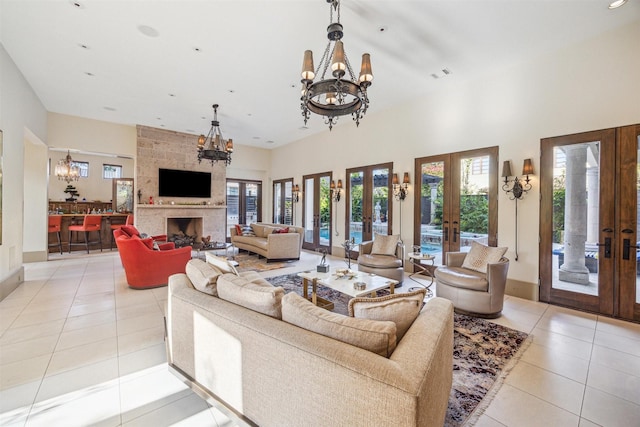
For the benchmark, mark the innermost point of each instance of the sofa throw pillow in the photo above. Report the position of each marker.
(480, 255)
(281, 230)
(257, 296)
(401, 309)
(239, 229)
(203, 276)
(246, 230)
(384, 245)
(130, 230)
(148, 242)
(221, 264)
(373, 335)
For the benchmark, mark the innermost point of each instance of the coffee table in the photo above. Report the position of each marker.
(343, 285)
(215, 247)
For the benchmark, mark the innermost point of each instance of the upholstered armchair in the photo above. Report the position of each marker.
(471, 290)
(383, 256)
(146, 267)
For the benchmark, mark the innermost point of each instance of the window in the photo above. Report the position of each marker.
(84, 168)
(111, 171)
(480, 165)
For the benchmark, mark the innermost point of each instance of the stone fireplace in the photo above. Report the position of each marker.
(184, 231)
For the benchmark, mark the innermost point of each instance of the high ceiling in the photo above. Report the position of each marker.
(96, 59)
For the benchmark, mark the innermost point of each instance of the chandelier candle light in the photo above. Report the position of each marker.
(343, 94)
(67, 170)
(213, 147)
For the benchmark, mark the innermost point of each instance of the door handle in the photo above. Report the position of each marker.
(455, 231)
(445, 231)
(626, 248)
(607, 247)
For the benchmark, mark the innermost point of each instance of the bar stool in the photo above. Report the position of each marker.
(55, 224)
(90, 223)
(129, 221)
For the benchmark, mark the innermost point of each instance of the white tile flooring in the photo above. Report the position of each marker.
(78, 347)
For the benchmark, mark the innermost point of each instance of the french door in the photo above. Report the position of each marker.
(316, 211)
(456, 201)
(589, 215)
(282, 201)
(243, 203)
(369, 206)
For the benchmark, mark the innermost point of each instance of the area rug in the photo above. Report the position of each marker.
(251, 262)
(483, 353)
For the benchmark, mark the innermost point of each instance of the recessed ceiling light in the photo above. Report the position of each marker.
(249, 114)
(303, 128)
(109, 108)
(197, 49)
(77, 4)
(191, 131)
(231, 91)
(83, 46)
(382, 29)
(148, 31)
(269, 142)
(89, 74)
(256, 137)
(173, 95)
(158, 118)
(616, 4)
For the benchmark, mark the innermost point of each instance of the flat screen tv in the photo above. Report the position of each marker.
(182, 183)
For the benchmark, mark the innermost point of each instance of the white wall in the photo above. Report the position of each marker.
(21, 114)
(591, 86)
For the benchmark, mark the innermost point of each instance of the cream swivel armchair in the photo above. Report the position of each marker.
(472, 291)
(383, 256)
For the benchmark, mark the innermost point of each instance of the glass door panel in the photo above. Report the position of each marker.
(576, 214)
(243, 203)
(251, 197)
(380, 201)
(317, 218)
(282, 201)
(355, 215)
(233, 206)
(473, 202)
(277, 206)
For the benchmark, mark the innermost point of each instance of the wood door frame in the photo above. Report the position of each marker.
(367, 196)
(606, 219)
(316, 203)
(451, 180)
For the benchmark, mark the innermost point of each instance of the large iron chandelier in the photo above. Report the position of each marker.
(343, 94)
(213, 147)
(66, 170)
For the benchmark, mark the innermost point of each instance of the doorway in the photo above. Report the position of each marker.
(316, 211)
(456, 201)
(588, 221)
(244, 204)
(369, 206)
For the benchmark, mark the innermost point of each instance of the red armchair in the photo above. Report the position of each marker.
(146, 267)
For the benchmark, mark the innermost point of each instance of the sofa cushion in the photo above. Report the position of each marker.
(384, 245)
(258, 229)
(221, 264)
(480, 255)
(259, 242)
(261, 297)
(148, 242)
(401, 309)
(203, 276)
(379, 261)
(373, 335)
(460, 277)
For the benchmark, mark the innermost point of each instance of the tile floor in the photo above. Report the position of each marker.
(78, 347)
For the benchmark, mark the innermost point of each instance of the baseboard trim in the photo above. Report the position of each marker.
(10, 284)
(35, 256)
(521, 289)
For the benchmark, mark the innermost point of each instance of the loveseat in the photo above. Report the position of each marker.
(275, 242)
(273, 373)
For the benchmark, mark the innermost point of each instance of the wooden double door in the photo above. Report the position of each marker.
(589, 213)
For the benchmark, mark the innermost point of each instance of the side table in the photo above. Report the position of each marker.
(417, 259)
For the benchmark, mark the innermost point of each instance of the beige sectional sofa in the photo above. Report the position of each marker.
(272, 373)
(272, 246)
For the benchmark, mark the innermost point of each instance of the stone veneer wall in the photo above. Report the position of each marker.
(159, 148)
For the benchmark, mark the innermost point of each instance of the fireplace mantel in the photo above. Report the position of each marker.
(181, 207)
(152, 219)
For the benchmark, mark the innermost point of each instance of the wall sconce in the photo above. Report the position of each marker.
(400, 190)
(518, 189)
(296, 193)
(336, 190)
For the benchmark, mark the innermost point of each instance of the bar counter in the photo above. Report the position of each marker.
(108, 219)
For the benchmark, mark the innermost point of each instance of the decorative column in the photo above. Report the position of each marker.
(574, 269)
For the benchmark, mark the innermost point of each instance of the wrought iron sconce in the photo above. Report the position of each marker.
(296, 193)
(400, 190)
(518, 189)
(336, 190)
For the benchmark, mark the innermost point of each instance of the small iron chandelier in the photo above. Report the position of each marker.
(67, 170)
(336, 96)
(217, 149)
